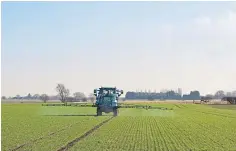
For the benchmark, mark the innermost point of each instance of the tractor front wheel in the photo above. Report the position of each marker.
(115, 112)
(99, 113)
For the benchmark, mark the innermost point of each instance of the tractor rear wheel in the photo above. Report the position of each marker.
(115, 112)
(99, 113)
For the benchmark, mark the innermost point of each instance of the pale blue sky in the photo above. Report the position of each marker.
(131, 45)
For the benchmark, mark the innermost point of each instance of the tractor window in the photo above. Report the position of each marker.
(109, 98)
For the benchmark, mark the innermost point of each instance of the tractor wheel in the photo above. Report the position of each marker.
(115, 112)
(99, 113)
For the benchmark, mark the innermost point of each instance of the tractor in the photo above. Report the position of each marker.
(107, 100)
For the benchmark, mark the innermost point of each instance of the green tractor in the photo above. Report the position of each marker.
(107, 100)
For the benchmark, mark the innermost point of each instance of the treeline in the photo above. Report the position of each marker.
(63, 95)
(220, 94)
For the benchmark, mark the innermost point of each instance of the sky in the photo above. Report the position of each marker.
(130, 45)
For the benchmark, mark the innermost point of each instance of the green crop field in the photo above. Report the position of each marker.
(186, 127)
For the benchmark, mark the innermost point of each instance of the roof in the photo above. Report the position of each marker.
(108, 88)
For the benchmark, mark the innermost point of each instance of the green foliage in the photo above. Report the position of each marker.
(22, 123)
(187, 127)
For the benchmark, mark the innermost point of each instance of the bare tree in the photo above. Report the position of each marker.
(3, 97)
(84, 99)
(44, 98)
(29, 96)
(79, 96)
(219, 94)
(36, 96)
(63, 93)
(18, 96)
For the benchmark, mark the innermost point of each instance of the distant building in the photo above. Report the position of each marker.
(168, 95)
(180, 91)
(194, 95)
(234, 93)
(228, 94)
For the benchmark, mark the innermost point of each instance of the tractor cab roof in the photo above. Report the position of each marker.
(108, 88)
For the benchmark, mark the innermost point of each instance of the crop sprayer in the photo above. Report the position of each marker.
(107, 101)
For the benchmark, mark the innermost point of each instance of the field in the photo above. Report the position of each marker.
(186, 127)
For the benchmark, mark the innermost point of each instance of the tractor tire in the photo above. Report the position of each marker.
(99, 113)
(115, 112)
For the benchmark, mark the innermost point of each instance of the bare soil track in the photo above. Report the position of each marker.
(72, 143)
